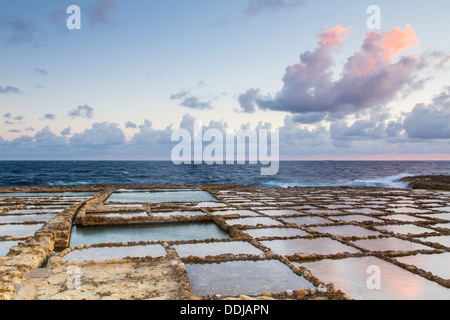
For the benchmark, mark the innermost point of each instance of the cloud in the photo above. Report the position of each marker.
(66, 131)
(430, 121)
(82, 112)
(49, 116)
(41, 71)
(369, 78)
(17, 30)
(100, 12)
(102, 135)
(190, 101)
(257, 6)
(8, 89)
(247, 100)
(130, 125)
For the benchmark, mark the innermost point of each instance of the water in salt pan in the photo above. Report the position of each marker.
(279, 212)
(113, 253)
(27, 218)
(157, 197)
(405, 218)
(322, 246)
(31, 211)
(440, 216)
(216, 248)
(210, 205)
(243, 278)
(47, 195)
(276, 232)
(388, 244)
(408, 210)
(405, 229)
(442, 240)
(307, 220)
(178, 231)
(119, 215)
(346, 231)
(19, 230)
(179, 213)
(253, 221)
(437, 264)
(242, 213)
(5, 246)
(363, 210)
(351, 276)
(355, 218)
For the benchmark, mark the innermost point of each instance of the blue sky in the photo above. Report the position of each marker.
(138, 69)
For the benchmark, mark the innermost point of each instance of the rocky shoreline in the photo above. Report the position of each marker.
(355, 223)
(440, 182)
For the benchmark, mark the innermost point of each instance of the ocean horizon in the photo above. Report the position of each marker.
(320, 173)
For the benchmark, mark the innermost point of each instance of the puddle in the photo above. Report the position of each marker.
(5, 246)
(351, 275)
(307, 220)
(168, 232)
(346, 231)
(405, 218)
(216, 248)
(355, 218)
(279, 212)
(27, 218)
(437, 264)
(243, 278)
(443, 240)
(19, 230)
(157, 197)
(114, 253)
(276, 232)
(405, 229)
(321, 246)
(388, 244)
(253, 221)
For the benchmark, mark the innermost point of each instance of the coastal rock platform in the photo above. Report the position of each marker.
(201, 242)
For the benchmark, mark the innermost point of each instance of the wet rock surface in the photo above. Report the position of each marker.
(405, 230)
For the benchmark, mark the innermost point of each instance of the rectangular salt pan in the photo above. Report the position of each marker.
(168, 232)
(405, 229)
(157, 197)
(322, 246)
(307, 220)
(253, 221)
(179, 213)
(355, 218)
(247, 213)
(19, 230)
(276, 232)
(216, 248)
(113, 253)
(5, 246)
(351, 276)
(243, 278)
(346, 231)
(119, 215)
(47, 195)
(27, 218)
(437, 264)
(390, 244)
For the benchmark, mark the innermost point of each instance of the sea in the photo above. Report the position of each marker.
(290, 174)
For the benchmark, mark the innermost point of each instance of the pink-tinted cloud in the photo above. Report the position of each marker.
(370, 77)
(398, 40)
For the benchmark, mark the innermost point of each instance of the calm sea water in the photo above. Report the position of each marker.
(291, 173)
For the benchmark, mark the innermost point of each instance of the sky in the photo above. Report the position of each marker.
(336, 81)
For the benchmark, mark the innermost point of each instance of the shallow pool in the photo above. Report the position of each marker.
(179, 231)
